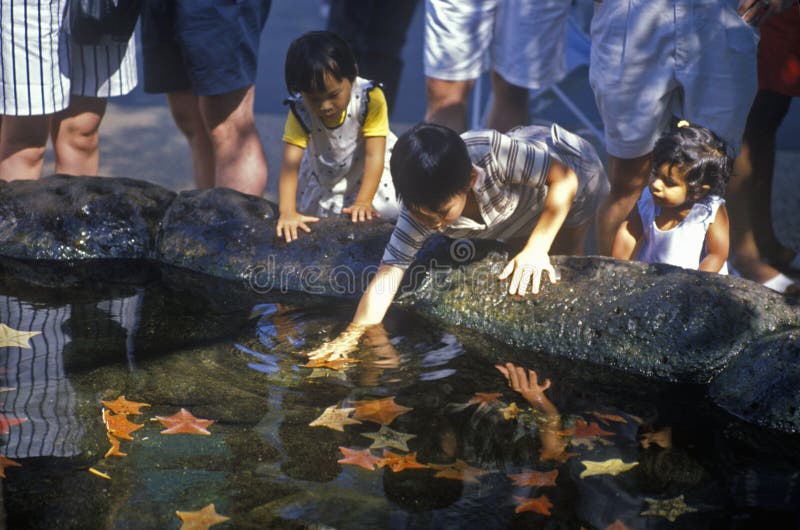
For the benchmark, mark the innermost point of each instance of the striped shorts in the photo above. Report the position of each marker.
(40, 68)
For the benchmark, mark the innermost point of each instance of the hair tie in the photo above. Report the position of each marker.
(682, 124)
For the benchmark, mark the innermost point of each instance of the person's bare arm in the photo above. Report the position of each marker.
(375, 151)
(371, 309)
(717, 242)
(533, 260)
(628, 237)
(290, 220)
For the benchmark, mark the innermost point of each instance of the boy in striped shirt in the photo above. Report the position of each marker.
(542, 184)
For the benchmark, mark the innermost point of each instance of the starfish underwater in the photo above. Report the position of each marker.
(386, 437)
(458, 470)
(614, 466)
(123, 406)
(119, 426)
(535, 478)
(10, 337)
(184, 422)
(7, 462)
(539, 505)
(670, 509)
(201, 519)
(398, 463)
(334, 418)
(361, 458)
(382, 411)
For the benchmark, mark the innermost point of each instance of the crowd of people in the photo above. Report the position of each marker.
(689, 98)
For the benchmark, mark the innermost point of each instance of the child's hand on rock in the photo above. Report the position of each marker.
(360, 211)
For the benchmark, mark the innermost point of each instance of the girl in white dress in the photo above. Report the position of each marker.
(680, 217)
(336, 139)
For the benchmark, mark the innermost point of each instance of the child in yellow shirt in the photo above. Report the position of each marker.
(336, 139)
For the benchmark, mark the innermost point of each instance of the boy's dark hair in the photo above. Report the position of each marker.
(700, 155)
(430, 164)
(315, 55)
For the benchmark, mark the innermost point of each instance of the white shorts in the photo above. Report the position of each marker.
(694, 59)
(39, 69)
(522, 40)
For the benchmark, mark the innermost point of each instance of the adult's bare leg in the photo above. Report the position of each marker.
(750, 191)
(447, 102)
(628, 177)
(185, 110)
(23, 140)
(509, 107)
(75, 133)
(239, 157)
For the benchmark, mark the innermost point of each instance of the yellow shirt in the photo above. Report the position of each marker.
(376, 123)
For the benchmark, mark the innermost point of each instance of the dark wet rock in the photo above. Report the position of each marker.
(762, 384)
(230, 235)
(66, 218)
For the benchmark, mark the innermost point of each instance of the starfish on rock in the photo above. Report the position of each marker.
(201, 519)
(184, 422)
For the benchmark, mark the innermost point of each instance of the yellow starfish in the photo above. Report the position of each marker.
(615, 466)
(201, 519)
(335, 418)
(12, 337)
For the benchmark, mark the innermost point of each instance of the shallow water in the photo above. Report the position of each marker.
(265, 467)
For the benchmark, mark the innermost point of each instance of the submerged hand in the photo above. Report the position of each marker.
(527, 384)
(361, 211)
(340, 347)
(528, 268)
(288, 224)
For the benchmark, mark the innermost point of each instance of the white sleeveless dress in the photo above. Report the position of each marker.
(683, 245)
(333, 163)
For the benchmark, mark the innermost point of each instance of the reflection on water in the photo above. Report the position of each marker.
(613, 450)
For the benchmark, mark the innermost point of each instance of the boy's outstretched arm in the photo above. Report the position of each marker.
(717, 242)
(628, 236)
(375, 151)
(289, 219)
(371, 309)
(529, 265)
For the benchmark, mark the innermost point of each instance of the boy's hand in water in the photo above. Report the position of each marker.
(288, 224)
(527, 384)
(340, 347)
(528, 268)
(360, 211)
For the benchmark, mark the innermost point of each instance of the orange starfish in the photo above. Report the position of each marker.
(201, 519)
(398, 463)
(119, 426)
(589, 430)
(7, 462)
(336, 364)
(114, 451)
(540, 505)
(608, 417)
(459, 470)
(484, 399)
(123, 406)
(361, 458)
(382, 411)
(617, 525)
(558, 455)
(535, 478)
(184, 423)
(6, 423)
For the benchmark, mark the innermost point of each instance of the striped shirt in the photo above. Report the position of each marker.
(510, 190)
(40, 67)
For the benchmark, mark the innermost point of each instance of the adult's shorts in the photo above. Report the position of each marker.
(650, 60)
(207, 46)
(522, 40)
(40, 67)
